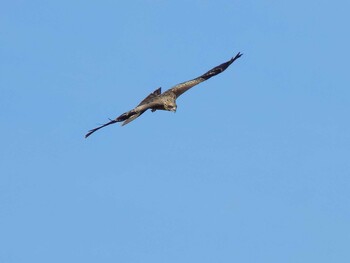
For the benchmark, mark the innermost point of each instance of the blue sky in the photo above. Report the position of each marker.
(253, 167)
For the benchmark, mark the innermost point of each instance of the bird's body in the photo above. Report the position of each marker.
(167, 100)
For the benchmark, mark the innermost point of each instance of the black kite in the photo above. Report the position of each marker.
(167, 100)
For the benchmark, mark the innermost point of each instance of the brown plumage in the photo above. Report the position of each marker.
(167, 100)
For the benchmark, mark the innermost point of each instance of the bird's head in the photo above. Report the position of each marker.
(170, 106)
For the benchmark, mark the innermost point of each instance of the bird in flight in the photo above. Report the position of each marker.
(166, 100)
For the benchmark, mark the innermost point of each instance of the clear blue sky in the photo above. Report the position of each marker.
(253, 167)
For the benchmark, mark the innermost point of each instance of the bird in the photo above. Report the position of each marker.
(166, 100)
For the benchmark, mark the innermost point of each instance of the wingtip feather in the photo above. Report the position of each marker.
(239, 54)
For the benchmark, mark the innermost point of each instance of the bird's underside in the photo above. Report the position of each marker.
(167, 100)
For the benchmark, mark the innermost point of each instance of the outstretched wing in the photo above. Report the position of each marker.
(183, 87)
(131, 115)
(100, 127)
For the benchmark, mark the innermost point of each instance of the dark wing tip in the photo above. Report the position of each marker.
(239, 54)
(89, 133)
(104, 125)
